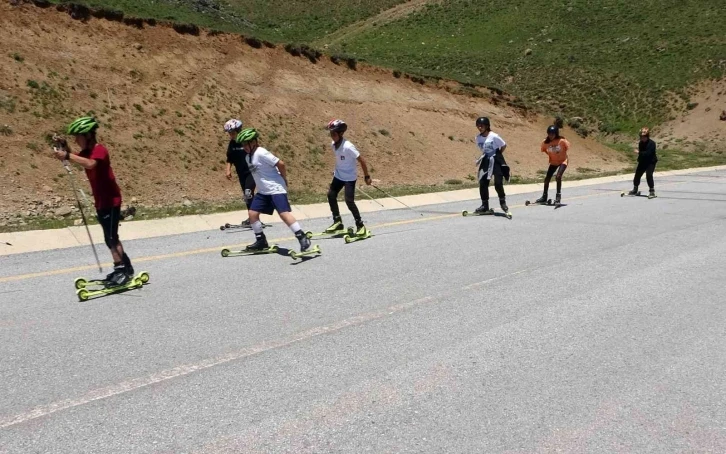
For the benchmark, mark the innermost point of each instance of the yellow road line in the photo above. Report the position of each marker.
(21, 277)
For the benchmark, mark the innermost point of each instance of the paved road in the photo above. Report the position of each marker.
(596, 327)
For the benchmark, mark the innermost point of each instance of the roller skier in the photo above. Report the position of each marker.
(647, 160)
(345, 175)
(95, 160)
(236, 157)
(270, 174)
(491, 165)
(556, 147)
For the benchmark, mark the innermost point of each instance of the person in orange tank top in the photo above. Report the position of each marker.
(556, 147)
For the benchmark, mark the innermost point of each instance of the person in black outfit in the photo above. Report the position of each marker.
(236, 156)
(647, 160)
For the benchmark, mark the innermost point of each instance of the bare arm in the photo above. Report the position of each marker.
(80, 160)
(228, 172)
(364, 166)
(282, 169)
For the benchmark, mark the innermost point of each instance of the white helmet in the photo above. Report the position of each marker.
(232, 125)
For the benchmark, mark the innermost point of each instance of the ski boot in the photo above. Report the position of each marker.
(558, 200)
(505, 208)
(305, 249)
(542, 200)
(260, 243)
(127, 263)
(483, 209)
(245, 223)
(360, 233)
(634, 191)
(118, 277)
(336, 226)
(651, 194)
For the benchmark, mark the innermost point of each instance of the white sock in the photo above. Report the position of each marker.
(257, 227)
(295, 227)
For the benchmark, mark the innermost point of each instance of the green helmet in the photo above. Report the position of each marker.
(247, 135)
(82, 125)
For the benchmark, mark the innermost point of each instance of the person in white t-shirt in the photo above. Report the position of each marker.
(270, 176)
(345, 175)
(491, 164)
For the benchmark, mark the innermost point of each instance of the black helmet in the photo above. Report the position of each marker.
(483, 121)
(338, 126)
(553, 130)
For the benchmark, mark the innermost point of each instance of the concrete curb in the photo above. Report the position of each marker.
(43, 240)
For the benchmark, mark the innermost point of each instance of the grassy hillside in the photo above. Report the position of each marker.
(614, 63)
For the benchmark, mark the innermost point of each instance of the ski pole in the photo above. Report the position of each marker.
(365, 194)
(67, 166)
(389, 195)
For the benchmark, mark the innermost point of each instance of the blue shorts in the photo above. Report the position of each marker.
(267, 203)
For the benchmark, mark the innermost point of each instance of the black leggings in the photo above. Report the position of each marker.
(248, 188)
(560, 169)
(484, 183)
(109, 219)
(646, 168)
(335, 186)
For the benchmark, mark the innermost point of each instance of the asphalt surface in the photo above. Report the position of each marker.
(596, 327)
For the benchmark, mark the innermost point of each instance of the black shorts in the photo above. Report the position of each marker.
(109, 219)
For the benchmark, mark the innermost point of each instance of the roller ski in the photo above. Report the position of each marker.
(636, 193)
(305, 249)
(115, 282)
(558, 201)
(541, 201)
(244, 225)
(336, 229)
(486, 211)
(259, 247)
(355, 235)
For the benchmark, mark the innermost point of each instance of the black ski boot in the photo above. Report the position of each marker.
(118, 277)
(651, 194)
(634, 191)
(304, 240)
(558, 199)
(484, 208)
(245, 223)
(542, 200)
(260, 243)
(503, 205)
(127, 263)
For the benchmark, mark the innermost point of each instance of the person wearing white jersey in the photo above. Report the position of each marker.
(491, 164)
(345, 175)
(270, 176)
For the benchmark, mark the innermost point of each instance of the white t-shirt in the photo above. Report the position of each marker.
(489, 144)
(267, 178)
(346, 161)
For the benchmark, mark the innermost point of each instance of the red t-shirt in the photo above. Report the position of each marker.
(106, 192)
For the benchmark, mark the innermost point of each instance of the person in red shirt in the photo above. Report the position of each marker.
(555, 147)
(94, 158)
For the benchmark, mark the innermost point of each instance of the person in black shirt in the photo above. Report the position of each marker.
(236, 157)
(647, 160)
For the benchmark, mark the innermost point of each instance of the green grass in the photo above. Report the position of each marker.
(611, 60)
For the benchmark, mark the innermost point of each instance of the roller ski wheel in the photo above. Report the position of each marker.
(312, 251)
(270, 250)
(508, 214)
(84, 294)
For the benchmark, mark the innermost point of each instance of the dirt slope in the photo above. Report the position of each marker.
(162, 98)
